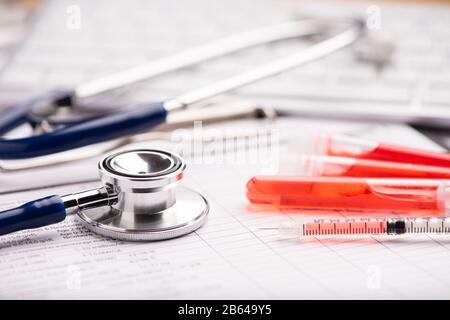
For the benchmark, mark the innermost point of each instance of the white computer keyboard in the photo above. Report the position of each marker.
(116, 35)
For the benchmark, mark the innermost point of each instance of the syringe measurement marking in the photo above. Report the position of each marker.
(337, 228)
(425, 227)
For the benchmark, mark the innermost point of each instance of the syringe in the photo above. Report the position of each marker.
(364, 226)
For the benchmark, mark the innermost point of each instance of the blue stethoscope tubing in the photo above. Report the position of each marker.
(104, 128)
(34, 214)
(145, 116)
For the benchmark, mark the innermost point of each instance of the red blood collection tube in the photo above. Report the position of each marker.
(345, 146)
(413, 196)
(329, 166)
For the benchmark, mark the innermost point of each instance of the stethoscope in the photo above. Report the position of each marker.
(140, 200)
(94, 126)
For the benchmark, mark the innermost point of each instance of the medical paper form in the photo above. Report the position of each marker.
(230, 256)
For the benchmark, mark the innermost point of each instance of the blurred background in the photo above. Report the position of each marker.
(59, 44)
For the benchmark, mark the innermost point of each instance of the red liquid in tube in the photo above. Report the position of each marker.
(344, 146)
(417, 197)
(328, 166)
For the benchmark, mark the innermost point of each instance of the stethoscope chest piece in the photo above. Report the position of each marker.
(147, 203)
